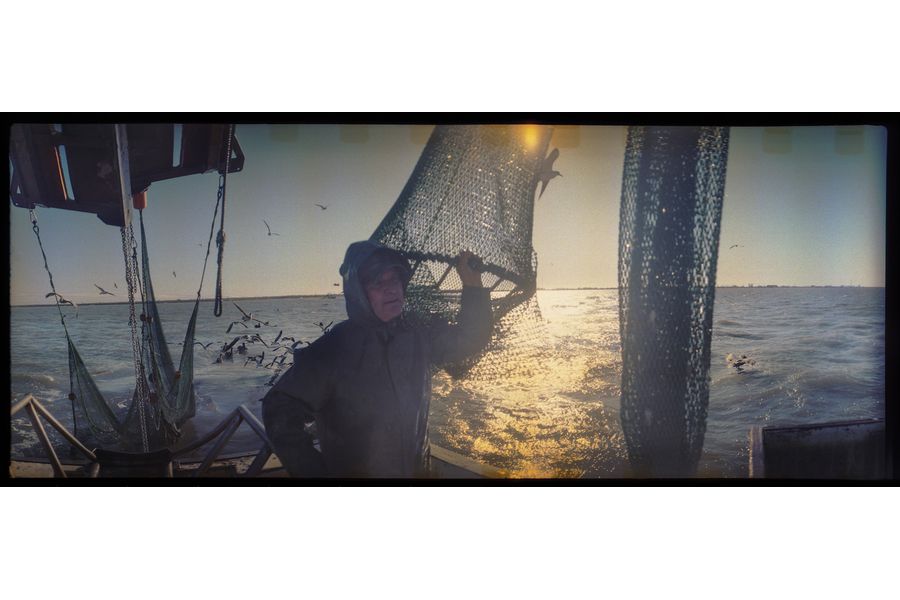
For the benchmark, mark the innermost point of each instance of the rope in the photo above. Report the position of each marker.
(37, 232)
(220, 238)
(62, 318)
(212, 229)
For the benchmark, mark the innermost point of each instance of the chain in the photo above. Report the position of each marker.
(130, 277)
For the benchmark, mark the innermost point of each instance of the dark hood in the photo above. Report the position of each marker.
(358, 308)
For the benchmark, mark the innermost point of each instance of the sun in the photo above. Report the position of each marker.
(530, 135)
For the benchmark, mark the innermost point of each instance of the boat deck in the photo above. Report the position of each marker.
(445, 463)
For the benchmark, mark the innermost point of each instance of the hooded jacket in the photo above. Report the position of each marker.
(367, 385)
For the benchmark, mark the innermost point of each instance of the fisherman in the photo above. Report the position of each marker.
(367, 381)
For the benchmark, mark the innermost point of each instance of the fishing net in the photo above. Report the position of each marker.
(672, 190)
(473, 189)
(102, 421)
(163, 398)
(172, 389)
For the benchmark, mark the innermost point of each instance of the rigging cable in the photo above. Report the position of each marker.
(62, 317)
(220, 238)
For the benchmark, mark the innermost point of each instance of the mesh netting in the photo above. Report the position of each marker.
(172, 388)
(473, 189)
(102, 421)
(164, 396)
(672, 190)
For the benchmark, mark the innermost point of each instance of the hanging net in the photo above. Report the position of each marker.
(473, 188)
(672, 190)
(163, 398)
(171, 389)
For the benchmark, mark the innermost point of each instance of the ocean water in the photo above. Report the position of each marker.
(818, 352)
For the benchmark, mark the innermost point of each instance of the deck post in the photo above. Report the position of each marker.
(757, 459)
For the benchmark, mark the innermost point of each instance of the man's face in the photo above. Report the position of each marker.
(386, 296)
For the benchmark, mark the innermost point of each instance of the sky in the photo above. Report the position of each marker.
(805, 205)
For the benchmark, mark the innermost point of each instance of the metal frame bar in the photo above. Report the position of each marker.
(223, 431)
(33, 408)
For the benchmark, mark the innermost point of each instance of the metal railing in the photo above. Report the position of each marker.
(225, 430)
(165, 459)
(33, 408)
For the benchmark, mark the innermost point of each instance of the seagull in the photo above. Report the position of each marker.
(102, 291)
(233, 324)
(547, 173)
(251, 338)
(173, 274)
(258, 358)
(205, 346)
(227, 347)
(277, 359)
(247, 317)
(115, 286)
(322, 207)
(740, 363)
(736, 246)
(257, 337)
(270, 229)
(63, 300)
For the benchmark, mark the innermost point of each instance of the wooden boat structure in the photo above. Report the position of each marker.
(167, 463)
(839, 450)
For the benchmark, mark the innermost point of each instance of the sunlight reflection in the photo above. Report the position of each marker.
(537, 426)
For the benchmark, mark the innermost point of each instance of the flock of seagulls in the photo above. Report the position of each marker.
(278, 350)
(227, 351)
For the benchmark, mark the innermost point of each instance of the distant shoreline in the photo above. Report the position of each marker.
(158, 301)
(572, 289)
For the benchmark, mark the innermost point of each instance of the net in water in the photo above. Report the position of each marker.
(672, 191)
(473, 188)
(163, 398)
